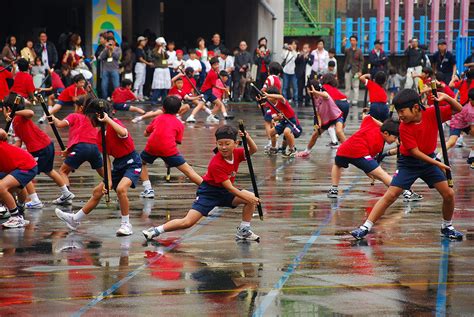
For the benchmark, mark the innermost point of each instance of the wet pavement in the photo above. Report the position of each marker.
(305, 264)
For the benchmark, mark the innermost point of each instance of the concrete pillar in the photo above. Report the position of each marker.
(394, 31)
(408, 21)
(106, 15)
(265, 24)
(434, 25)
(449, 23)
(380, 20)
(127, 21)
(464, 17)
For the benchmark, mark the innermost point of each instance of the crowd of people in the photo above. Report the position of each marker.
(201, 79)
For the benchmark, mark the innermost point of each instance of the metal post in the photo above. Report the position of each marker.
(394, 29)
(408, 21)
(464, 17)
(380, 19)
(449, 24)
(434, 25)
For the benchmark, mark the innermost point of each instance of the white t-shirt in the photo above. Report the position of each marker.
(335, 62)
(171, 58)
(195, 64)
(290, 57)
(321, 59)
(228, 62)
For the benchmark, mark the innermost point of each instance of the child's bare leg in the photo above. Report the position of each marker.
(218, 106)
(137, 110)
(183, 110)
(122, 191)
(200, 106)
(64, 171)
(97, 195)
(191, 218)
(448, 199)
(451, 141)
(152, 114)
(386, 201)
(5, 196)
(336, 173)
(248, 209)
(380, 174)
(340, 132)
(290, 138)
(56, 178)
(187, 170)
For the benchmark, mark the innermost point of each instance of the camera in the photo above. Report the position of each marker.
(285, 46)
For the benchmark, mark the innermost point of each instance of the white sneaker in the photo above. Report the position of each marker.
(125, 229)
(148, 193)
(15, 222)
(137, 119)
(212, 119)
(191, 119)
(64, 199)
(34, 204)
(150, 233)
(244, 233)
(67, 218)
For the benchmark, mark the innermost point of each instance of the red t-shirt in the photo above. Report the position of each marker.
(272, 80)
(219, 170)
(445, 89)
(116, 146)
(165, 131)
(464, 88)
(187, 87)
(284, 107)
(334, 92)
(174, 91)
(376, 92)
(4, 90)
(423, 134)
(34, 138)
(81, 130)
(13, 158)
(23, 84)
(366, 141)
(210, 81)
(122, 95)
(56, 81)
(70, 92)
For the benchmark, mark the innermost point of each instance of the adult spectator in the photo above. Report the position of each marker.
(444, 63)
(242, 62)
(98, 50)
(377, 59)
(161, 76)
(75, 45)
(74, 58)
(9, 52)
(289, 55)
(416, 59)
(320, 60)
(28, 52)
(128, 59)
(46, 50)
(469, 61)
(261, 57)
(226, 62)
(216, 44)
(110, 58)
(303, 69)
(140, 66)
(353, 63)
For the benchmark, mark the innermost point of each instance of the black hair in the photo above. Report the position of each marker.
(391, 127)
(189, 71)
(223, 73)
(94, 106)
(261, 39)
(469, 77)
(470, 94)
(332, 50)
(380, 78)
(225, 51)
(329, 79)
(274, 68)
(320, 40)
(427, 70)
(41, 32)
(191, 51)
(171, 104)
(9, 102)
(316, 84)
(331, 64)
(78, 78)
(392, 71)
(353, 36)
(214, 60)
(179, 78)
(23, 64)
(226, 132)
(406, 98)
(273, 90)
(126, 82)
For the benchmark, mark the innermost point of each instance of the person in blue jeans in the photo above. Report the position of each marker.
(289, 56)
(110, 58)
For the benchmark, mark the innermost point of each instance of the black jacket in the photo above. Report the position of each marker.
(52, 52)
(377, 62)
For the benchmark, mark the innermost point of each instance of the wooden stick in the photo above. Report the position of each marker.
(50, 119)
(104, 152)
(12, 113)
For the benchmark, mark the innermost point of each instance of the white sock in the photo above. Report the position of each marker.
(308, 150)
(406, 192)
(64, 189)
(79, 215)
(146, 184)
(446, 223)
(368, 224)
(224, 113)
(160, 229)
(34, 197)
(471, 154)
(208, 111)
(269, 142)
(126, 218)
(244, 224)
(332, 134)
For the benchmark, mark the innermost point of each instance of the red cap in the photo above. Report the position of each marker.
(198, 53)
(211, 53)
(179, 52)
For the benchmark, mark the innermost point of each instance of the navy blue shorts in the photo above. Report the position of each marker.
(58, 92)
(45, 158)
(209, 96)
(454, 131)
(84, 152)
(129, 166)
(344, 106)
(410, 169)
(367, 163)
(394, 89)
(65, 103)
(208, 197)
(268, 115)
(170, 161)
(283, 124)
(333, 122)
(121, 106)
(379, 111)
(22, 176)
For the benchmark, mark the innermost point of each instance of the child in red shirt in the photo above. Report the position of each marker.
(71, 94)
(464, 85)
(40, 146)
(122, 95)
(17, 169)
(377, 95)
(194, 98)
(23, 84)
(125, 172)
(209, 83)
(81, 146)
(275, 70)
(217, 188)
(164, 133)
(4, 90)
(418, 139)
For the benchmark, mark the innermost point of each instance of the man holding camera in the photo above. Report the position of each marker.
(110, 58)
(289, 55)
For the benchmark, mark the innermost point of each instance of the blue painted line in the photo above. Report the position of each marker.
(442, 278)
(270, 297)
(138, 270)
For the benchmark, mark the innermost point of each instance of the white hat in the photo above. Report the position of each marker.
(161, 40)
(141, 38)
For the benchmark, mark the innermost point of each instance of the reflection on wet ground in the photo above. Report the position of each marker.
(305, 263)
